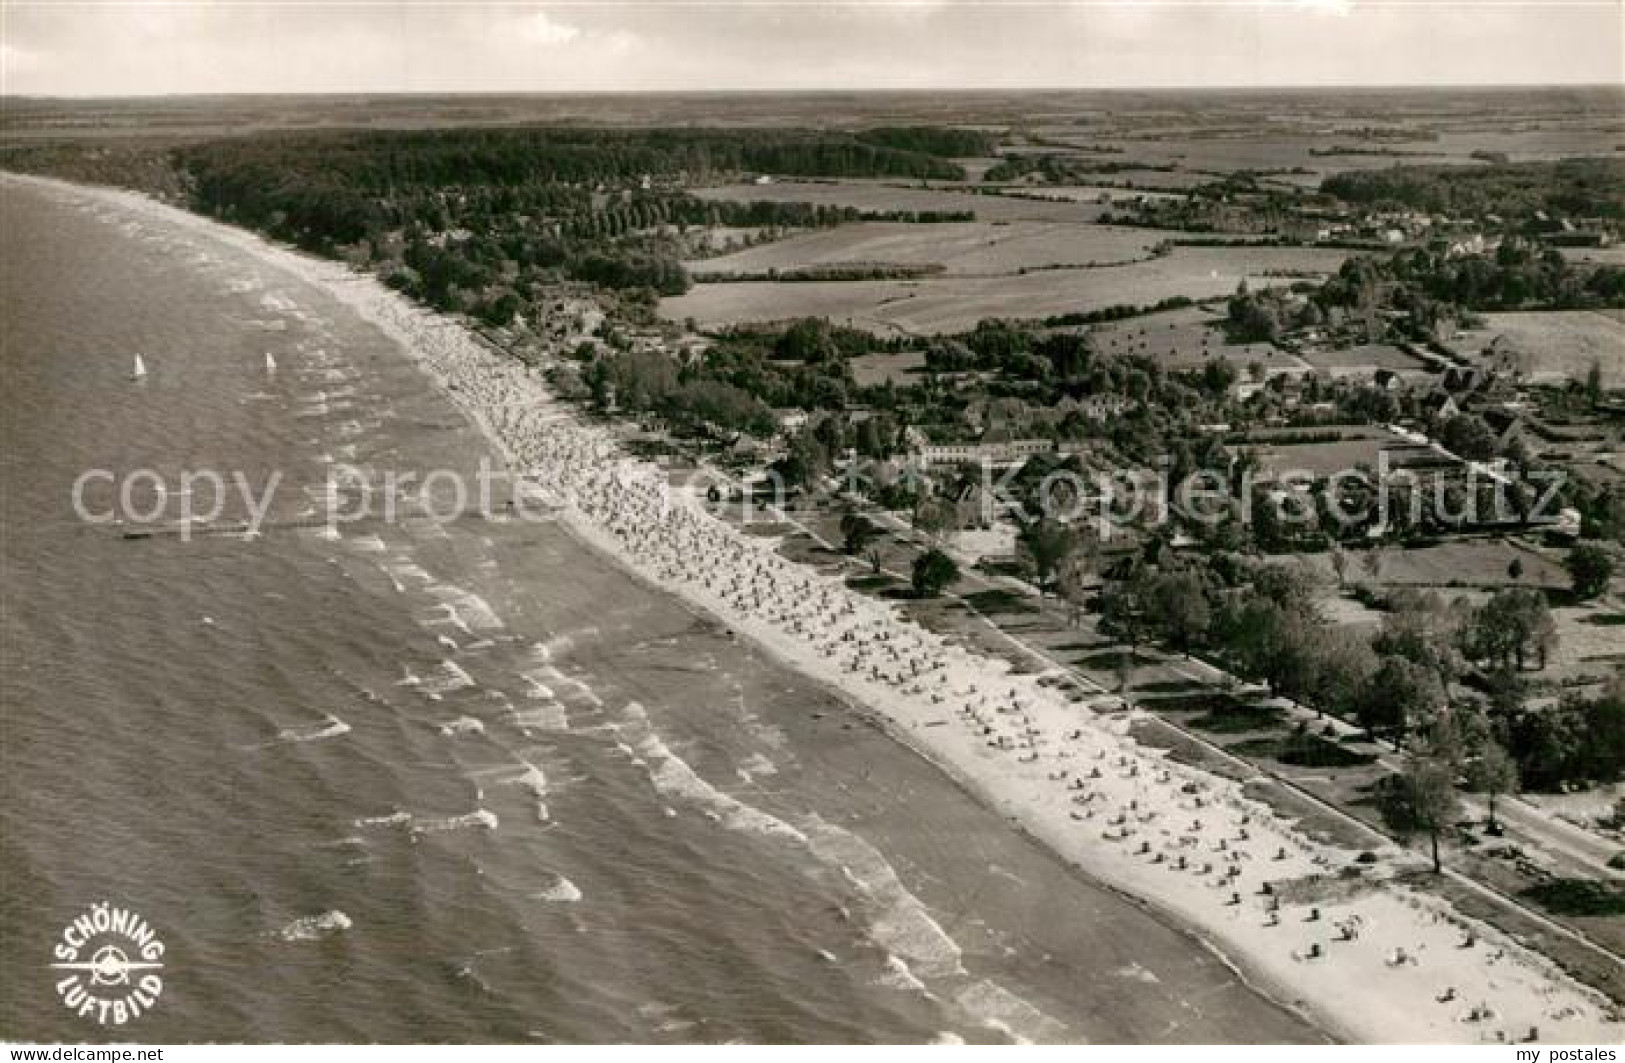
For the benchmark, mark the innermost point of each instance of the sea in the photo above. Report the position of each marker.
(444, 776)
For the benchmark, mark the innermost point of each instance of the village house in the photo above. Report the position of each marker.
(791, 419)
(1387, 380)
(1006, 415)
(1506, 425)
(1094, 407)
(1009, 452)
(1464, 379)
(977, 506)
(1440, 405)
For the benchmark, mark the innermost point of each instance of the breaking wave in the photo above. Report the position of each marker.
(331, 727)
(562, 891)
(315, 927)
(480, 817)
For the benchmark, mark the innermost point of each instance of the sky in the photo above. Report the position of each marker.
(138, 47)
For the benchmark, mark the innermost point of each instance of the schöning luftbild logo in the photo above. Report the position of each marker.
(110, 959)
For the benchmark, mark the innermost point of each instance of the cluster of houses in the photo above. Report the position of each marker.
(1261, 214)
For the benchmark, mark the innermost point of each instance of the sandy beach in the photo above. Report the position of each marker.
(1368, 958)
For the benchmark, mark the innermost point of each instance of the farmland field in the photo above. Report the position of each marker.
(1468, 565)
(1202, 156)
(1127, 183)
(1359, 446)
(1586, 644)
(964, 248)
(1186, 339)
(900, 368)
(1465, 563)
(1613, 255)
(1162, 180)
(954, 304)
(1558, 345)
(1308, 155)
(1363, 360)
(721, 238)
(1097, 193)
(1548, 142)
(878, 196)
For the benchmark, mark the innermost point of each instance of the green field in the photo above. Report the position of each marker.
(962, 248)
(953, 304)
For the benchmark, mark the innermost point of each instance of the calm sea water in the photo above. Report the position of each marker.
(451, 782)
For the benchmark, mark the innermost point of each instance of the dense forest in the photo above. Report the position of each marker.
(1064, 169)
(1568, 188)
(932, 140)
(1519, 274)
(378, 161)
(1424, 289)
(336, 187)
(471, 219)
(805, 365)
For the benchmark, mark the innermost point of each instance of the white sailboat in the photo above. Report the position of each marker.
(140, 370)
(270, 363)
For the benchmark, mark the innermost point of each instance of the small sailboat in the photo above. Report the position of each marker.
(140, 370)
(270, 363)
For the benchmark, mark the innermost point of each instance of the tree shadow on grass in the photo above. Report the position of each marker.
(1578, 896)
(1302, 751)
(998, 600)
(1212, 702)
(1237, 718)
(1171, 686)
(1103, 661)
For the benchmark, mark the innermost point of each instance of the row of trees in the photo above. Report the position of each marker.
(1579, 738)
(1261, 620)
(930, 573)
(1425, 798)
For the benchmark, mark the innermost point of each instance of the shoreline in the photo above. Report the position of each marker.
(1032, 777)
(1254, 979)
(1276, 995)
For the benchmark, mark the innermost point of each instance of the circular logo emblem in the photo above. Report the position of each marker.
(109, 959)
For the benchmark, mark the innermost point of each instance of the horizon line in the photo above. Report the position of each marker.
(824, 91)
